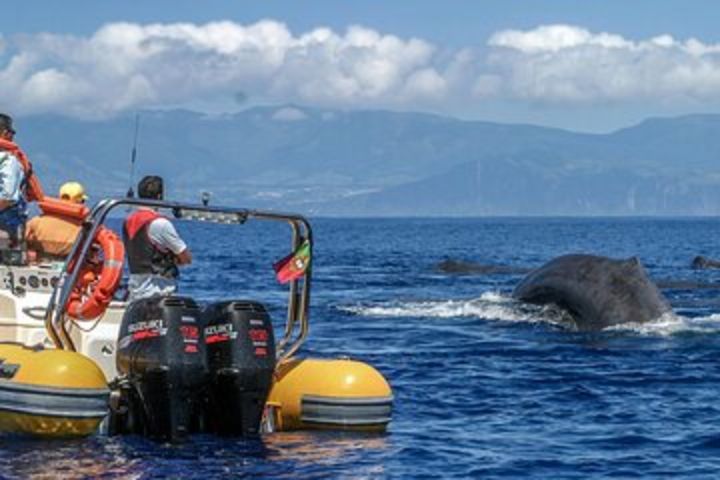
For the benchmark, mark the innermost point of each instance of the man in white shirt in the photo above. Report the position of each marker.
(153, 247)
(13, 211)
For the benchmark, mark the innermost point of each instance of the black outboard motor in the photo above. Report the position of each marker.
(162, 354)
(241, 359)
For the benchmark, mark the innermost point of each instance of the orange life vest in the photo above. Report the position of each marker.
(144, 257)
(33, 190)
(63, 208)
(54, 232)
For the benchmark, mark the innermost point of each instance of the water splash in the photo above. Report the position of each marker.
(671, 324)
(495, 306)
(489, 306)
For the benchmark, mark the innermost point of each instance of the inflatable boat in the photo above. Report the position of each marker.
(76, 359)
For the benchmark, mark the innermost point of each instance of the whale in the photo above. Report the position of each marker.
(597, 292)
(701, 263)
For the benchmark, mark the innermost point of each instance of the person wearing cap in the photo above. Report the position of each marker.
(154, 248)
(13, 211)
(53, 236)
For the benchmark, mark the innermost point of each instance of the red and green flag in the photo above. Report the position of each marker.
(294, 265)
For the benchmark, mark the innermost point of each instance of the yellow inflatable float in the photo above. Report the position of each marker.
(330, 395)
(50, 393)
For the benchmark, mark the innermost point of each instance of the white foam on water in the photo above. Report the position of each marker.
(495, 306)
(672, 324)
(489, 306)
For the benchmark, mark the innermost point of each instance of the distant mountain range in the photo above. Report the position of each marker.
(379, 163)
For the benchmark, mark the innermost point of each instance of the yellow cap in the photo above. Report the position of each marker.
(73, 191)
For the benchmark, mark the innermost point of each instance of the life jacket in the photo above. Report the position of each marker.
(144, 257)
(32, 189)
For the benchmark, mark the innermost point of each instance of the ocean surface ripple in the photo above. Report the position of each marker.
(485, 387)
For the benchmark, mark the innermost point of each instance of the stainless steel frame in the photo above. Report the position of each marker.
(296, 327)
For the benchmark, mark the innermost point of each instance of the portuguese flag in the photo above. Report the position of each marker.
(294, 265)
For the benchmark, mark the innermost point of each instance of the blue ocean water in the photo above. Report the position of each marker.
(484, 387)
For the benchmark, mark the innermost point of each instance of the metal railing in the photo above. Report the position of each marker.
(297, 323)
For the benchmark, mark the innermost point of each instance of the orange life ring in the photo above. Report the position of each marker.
(97, 281)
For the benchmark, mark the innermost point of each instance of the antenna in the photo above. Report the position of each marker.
(133, 157)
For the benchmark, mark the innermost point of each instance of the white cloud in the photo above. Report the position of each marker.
(564, 63)
(125, 66)
(554, 38)
(425, 83)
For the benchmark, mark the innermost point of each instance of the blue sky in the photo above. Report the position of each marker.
(582, 65)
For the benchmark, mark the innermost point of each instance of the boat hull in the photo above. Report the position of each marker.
(50, 393)
(319, 394)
